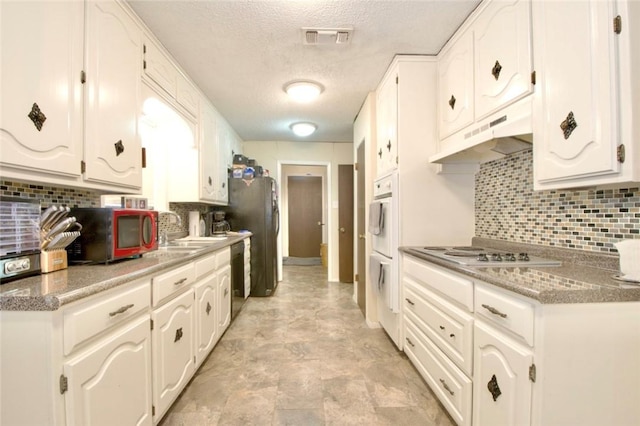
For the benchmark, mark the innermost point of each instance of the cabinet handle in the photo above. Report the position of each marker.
(568, 125)
(226, 291)
(389, 145)
(180, 281)
(409, 301)
(37, 116)
(446, 387)
(210, 181)
(410, 342)
(380, 153)
(208, 308)
(494, 311)
(493, 387)
(495, 71)
(121, 310)
(452, 102)
(178, 335)
(442, 327)
(452, 335)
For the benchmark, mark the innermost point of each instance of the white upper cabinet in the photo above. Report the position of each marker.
(208, 148)
(387, 124)
(455, 81)
(41, 102)
(502, 40)
(584, 130)
(484, 79)
(162, 70)
(112, 96)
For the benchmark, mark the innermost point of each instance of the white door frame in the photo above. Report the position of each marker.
(329, 221)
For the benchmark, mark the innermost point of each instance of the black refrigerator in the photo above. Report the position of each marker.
(253, 205)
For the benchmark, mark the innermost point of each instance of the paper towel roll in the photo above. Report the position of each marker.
(629, 259)
(194, 224)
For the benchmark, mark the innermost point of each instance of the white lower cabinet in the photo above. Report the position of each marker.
(109, 383)
(502, 387)
(517, 361)
(173, 356)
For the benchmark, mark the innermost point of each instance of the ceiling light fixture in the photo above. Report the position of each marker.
(303, 91)
(303, 129)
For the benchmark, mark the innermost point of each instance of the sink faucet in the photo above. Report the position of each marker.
(164, 240)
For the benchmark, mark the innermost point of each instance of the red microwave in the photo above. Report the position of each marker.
(110, 234)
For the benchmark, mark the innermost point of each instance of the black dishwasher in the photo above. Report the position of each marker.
(237, 278)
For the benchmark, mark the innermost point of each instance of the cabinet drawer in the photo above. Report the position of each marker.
(166, 284)
(223, 258)
(448, 326)
(206, 265)
(499, 308)
(87, 319)
(453, 388)
(458, 289)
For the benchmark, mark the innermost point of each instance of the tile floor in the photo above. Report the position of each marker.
(305, 356)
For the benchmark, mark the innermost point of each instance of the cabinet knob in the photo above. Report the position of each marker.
(452, 102)
(208, 309)
(37, 116)
(493, 387)
(495, 71)
(178, 335)
(119, 147)
(389, 145)
(380, 153)
(568, 125)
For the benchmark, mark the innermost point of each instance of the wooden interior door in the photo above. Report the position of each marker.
(305, 215)
(362, 242)
(345, 220)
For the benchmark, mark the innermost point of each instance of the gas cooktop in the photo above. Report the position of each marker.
(478, 256)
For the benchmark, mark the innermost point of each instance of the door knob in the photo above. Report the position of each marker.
(320, 223)
(342, 230)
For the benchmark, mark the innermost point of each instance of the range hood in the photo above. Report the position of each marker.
(503, 133)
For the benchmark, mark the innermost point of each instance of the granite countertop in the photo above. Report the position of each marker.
(49, 292)
(583, 277)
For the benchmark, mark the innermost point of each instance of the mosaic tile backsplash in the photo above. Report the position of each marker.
(507, 208)
(74, 197)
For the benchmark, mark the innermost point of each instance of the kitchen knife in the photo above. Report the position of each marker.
(46, 217)
(60, 227)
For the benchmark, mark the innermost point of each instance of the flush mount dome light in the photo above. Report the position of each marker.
(303, 91)
(303, 129)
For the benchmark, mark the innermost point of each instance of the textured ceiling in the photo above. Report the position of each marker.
(241, 53)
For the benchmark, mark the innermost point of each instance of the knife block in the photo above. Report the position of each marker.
(53, 260)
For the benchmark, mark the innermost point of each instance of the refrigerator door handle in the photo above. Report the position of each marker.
(277, 215)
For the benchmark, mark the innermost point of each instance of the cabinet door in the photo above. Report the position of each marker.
(42, 50)
(501, 386)
(159, 68)
(208, 151)
(387, 125)
(223, 162)
(112, 97)
(455, 81)
(502, 36)
(575, 110)
(173, 350)
(206, 316)
(224, 297)
(110, 383)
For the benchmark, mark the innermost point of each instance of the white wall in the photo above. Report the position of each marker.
(272, 155)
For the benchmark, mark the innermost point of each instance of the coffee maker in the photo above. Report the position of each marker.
(219, 226)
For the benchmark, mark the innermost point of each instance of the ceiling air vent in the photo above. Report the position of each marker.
(318, 36)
